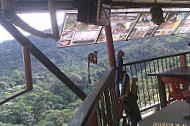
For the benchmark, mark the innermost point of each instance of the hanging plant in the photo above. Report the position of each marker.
(157, 14)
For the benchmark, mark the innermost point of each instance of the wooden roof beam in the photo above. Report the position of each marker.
(26, 27)
(8, 10)
(10, 16)
(42, 6)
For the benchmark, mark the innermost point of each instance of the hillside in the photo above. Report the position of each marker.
(51, 103)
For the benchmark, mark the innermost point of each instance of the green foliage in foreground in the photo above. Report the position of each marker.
(50, 103)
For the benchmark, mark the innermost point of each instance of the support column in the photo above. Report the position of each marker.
(110, 46)
(27, 68)
(111, 56)
(183, 60)
(183, 64)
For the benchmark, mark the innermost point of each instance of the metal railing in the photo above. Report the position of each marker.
(148, 96)
(101, 102)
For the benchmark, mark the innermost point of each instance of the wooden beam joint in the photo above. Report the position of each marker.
(53, 17)
(8, 10)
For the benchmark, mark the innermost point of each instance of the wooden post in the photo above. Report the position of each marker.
(183, 60)
(27, 68)
(53, 17)
(28, 75)
(183, 64)
(94, 121)
(162, 92)
(110, 46)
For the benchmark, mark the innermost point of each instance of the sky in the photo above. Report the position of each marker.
(40, 21)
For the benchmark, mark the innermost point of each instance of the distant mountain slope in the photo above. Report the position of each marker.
(51, 102)
(11, 52)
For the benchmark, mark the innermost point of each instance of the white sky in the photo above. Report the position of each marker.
(40, 21)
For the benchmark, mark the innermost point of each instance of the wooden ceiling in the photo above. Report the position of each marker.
(42, 5)
(149, 3)
(158, 1)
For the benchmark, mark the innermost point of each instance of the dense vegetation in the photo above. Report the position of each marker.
(51, 103)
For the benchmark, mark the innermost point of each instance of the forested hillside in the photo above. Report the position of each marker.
(51, 103)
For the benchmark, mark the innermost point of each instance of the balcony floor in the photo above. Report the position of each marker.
(172, 114)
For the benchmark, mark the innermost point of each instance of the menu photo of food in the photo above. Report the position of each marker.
(121, 24)
(163, 32)
(122, 37)
(67, 35)
(172, 21)
(123, 17)
(150, 31)
(138, 32)
(115, 37)
(64, 43)
(71, 23)
(186, 23)
(121, 28)
(102, 37)
(145, 19)
(182, 30)
(85, 36)
(94, 27)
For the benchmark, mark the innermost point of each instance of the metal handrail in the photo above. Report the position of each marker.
(148, 96)
(160, 57)
(100, 100)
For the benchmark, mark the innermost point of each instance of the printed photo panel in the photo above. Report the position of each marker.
(75, 33)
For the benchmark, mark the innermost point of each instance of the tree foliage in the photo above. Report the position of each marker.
(51, 103)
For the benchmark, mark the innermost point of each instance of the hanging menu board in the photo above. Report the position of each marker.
(172, 21)
(184, 27)
(124, 26)
(144, 27)
(121, 25)
(75, 33)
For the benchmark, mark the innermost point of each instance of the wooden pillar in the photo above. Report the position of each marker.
(94, 121)
(110, 46)
(183, 64)
(27, 68)
(183, 60)
(111, 56)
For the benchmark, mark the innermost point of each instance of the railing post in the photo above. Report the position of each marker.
(94, 121)
(183, 64)
(111, 56)
(27, 68)
(162, 92)
(183, 60)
